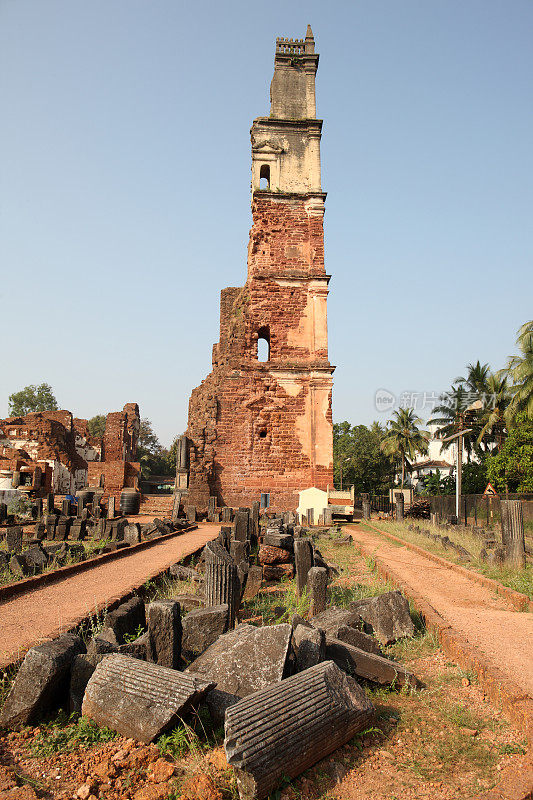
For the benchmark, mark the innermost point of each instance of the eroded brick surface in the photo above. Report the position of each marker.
(266, 426)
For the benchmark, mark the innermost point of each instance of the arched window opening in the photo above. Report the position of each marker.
(264, 177)
(263, 343)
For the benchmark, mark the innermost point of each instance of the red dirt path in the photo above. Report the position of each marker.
(32, 617)
(486, 620)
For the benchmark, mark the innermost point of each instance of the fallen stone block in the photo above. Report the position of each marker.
(164, 629)
(18, 565)
(343, 624)
(243, 661)
(276, 539)
(201, 628)
(138, 699)
(183, 573)
(127, 618)
(287, 727)
(387, 615)
(274, 555)
(42, 681)
(309, 646)
(132, 533)
(276, 572)
(139, 648)
(374, 668)
(36, 558)
(188, 602)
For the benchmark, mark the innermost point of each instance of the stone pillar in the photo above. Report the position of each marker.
(211, 509)
(14, 539)
(164, 632)
(191, 513)
(65, 508)
(303, 561)
(310, 516)
(366, 509)
(182, 463)
(254, 521)
(176, 506)
(399, 506)
(3, 512)
(222, 585)
(317, 587)
(240, 531)
(289, 726)
(513, 533)
(227, 514)
(110, 508)
(327, 516)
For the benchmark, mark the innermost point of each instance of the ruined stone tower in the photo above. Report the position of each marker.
(260, 423)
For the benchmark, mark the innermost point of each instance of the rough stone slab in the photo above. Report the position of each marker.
(139, 648)
(277, 539)
(243, 661)
(287, 727)
(303, 559)
(42, 681)
(184, 573)
(387, 615)
(188, 602)
(127, 618)
(138, 699)
(201, 628)
(344, 624)
(82, 669)
(374, 668)
(164, 630)
(254, 580)
(36, 558)
(309, 646)
(274, 555)
(276, 572)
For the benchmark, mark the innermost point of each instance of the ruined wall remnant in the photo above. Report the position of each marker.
(262, 423)
(52, 451)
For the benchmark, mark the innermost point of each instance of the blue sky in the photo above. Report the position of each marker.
(125, 190)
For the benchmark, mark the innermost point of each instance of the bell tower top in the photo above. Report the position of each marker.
(292, 91)
(286, 144)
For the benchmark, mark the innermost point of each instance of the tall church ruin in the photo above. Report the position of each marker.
(260, 425)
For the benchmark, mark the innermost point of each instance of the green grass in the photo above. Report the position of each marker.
(66, 734)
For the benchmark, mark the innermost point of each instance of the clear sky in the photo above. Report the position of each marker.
(125, 190)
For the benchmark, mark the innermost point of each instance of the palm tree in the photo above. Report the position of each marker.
(520, 371)
(476, 378)
(450, 417)
(491, 417)
(404, 439)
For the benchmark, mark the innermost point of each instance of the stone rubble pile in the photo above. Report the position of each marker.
(287, 692)
(57, 538)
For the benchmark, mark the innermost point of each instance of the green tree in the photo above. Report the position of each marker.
(511, 469)
(403, 438)
(32, 398)
(519, 371)
(96, 425)
(357, 453)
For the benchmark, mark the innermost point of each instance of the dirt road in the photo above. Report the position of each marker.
(31, 617)
(489, 623)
